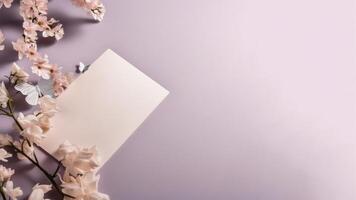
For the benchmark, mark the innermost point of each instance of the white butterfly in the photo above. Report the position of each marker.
(82, 67)
(32, 92)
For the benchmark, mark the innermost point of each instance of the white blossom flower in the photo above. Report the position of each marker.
(4, 155)
(98, 12)
(38, 192)
(18, 74)
(48, 105)
(32, 129)
(84, 187)
(12, 192)
(2, 39)
(5, 140)
(44, 122)
(6, 3)
(4, 95)
(77, 160)
(5, 173)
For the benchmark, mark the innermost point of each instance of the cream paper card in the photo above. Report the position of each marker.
(104, 106)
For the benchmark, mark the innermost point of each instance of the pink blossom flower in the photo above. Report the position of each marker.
(25, 48)
(43, 68)
(21, 47)
(94, 7)
(18, 74)
(6, 3)
(61, 81)
(84, 187)
(48, 106)
(30, 30)
(56, 32)
(2, 39)
(33, 8)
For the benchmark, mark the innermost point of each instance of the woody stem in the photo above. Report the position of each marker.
(34, 162)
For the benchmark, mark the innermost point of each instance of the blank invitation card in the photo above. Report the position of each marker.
(104, 106)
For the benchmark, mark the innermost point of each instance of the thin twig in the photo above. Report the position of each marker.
(57, 169)
(49, 176)
(12, 115)
(35, 162)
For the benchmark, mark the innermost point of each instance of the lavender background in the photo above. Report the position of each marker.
(262, 102)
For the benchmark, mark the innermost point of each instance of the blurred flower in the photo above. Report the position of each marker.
(2, 39)
(83, 187)
(61, 81)
(5, 173)
(48, 106)
(6, 3)
(94, 7)
(4, 95)
(38, 192)
(18, 74)
(12, 192)
(26, 147)
(4, 155)
(21, 47)
(5, 140)
(32, 128)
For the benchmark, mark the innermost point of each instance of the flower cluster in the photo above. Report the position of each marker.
(35, 22)
(2, 39)
(35, 126)
(6, 3)
(79, 179)
(93, 7)
(7, 185)
(4, 95)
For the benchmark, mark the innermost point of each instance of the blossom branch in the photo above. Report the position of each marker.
(34, 161)
(57, 169)
(37, 164)
(79, 179)
(44, 171)
(12, 115)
